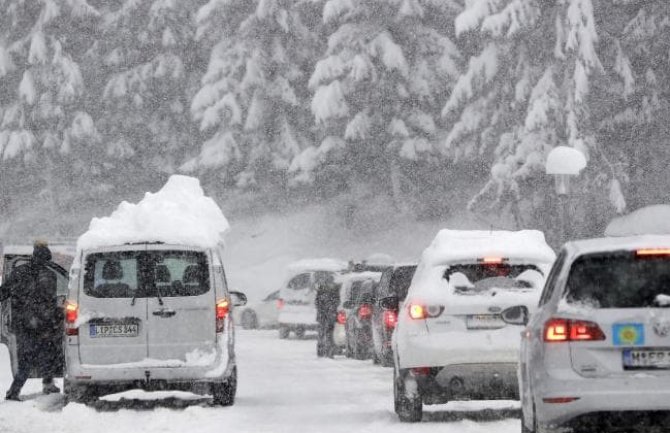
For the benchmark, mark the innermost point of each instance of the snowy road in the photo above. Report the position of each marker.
(283, 388)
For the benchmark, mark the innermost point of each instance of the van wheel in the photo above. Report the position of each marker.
(249, 320)
(409, 409)
(300, 332)
(283, 332)
(224, 393)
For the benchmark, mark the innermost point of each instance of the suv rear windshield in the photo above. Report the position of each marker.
(619, 280)
(142, 274)
(473, 278)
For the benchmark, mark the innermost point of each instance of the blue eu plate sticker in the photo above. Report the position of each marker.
(91, 330)
(628, 334)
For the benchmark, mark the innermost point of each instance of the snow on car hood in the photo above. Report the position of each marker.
(179, 213)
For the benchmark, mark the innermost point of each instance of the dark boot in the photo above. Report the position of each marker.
(12, 395)
(48, 387)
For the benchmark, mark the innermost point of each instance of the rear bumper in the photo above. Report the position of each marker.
(339, 335)
(646, 397)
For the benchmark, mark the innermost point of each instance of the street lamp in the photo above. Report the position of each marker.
(564, 163)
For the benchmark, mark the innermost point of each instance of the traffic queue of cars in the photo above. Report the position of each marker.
(582, 339)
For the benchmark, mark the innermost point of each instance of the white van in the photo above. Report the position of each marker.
(154, 316)
(297, 310)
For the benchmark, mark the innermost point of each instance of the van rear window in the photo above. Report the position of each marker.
(619, 280)
(142, 274)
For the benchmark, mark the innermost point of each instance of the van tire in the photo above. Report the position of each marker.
(283, 332)
(249, 320)
(300, 332)
(83, 394)
(223, 394)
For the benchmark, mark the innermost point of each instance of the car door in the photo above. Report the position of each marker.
(181, 316)
(11, 262)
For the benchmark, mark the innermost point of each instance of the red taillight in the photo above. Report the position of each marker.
(422, 371)
(390, 319)
(280, 304)
(559, 400)
(341, 317)
(417, 312)
(492, 260)
(71, 315)
(364, 311)
(653, 252)
(558, 330)
(222, 308)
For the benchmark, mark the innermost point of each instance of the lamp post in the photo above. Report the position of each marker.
(564, 163)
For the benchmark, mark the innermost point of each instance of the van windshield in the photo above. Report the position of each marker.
(620, 280)
(142, 274)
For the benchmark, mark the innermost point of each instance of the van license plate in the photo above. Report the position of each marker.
(484, 321)
(646, 358)
(115, 330)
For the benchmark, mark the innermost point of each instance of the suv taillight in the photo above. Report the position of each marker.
(419, 311)
(364, 311)
(71, 315)
(222, 308)
(390, 318)
(559, 330)
(341, 317)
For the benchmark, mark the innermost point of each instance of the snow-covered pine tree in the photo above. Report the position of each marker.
(525, 91)
(149, 65)
(252, 104)
(378, 89)
(42, 125)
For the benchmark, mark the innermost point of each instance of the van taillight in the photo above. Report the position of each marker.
(222, 308)
(71, 315)
(341, 317)
(280, 304)
(559, 330)
(364, 311)
(390, 318)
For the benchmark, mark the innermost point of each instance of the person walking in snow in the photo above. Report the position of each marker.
(327, 301)
(36, 320)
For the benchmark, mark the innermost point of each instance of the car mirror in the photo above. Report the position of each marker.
(389, 303)
(348, 304)
(517, 315)
(238, 299)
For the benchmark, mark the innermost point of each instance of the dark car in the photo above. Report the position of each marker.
(389, 294)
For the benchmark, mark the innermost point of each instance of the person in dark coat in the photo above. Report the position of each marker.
(327, 301)
(35, 321)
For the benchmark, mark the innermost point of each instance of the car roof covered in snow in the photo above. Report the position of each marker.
(453, 246)
(178, 214)
(630, 243)
(359, 276)
(319, 264)
(647, 220)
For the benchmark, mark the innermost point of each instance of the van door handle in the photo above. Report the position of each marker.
(164, 313)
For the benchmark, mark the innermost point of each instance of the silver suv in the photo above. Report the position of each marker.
(596, 354)
(150, 316)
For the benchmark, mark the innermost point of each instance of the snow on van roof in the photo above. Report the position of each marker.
(647, 220)
(179, 213)
(451, 246)
(322, 264)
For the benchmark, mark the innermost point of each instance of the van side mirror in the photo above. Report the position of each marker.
(238, 299)
(517, 315)
(389, 303)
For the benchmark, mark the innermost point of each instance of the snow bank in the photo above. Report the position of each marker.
(323, 264)
(457, 245)
(179, 213)
(653, 220)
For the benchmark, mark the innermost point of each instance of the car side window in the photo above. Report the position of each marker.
(550, 285)
(299, 282)
(381, 289)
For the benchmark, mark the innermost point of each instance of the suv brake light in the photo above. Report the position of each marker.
(280, 304)
(560, 330)
(222, 308)
(341, 317)
(71, 315)
(390, 319)
(653, 252)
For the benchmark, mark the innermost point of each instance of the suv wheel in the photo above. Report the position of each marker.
(300, 332)
(283, 332)
(84, 394)
(224, 393)
(249, 320)
(409, 409)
